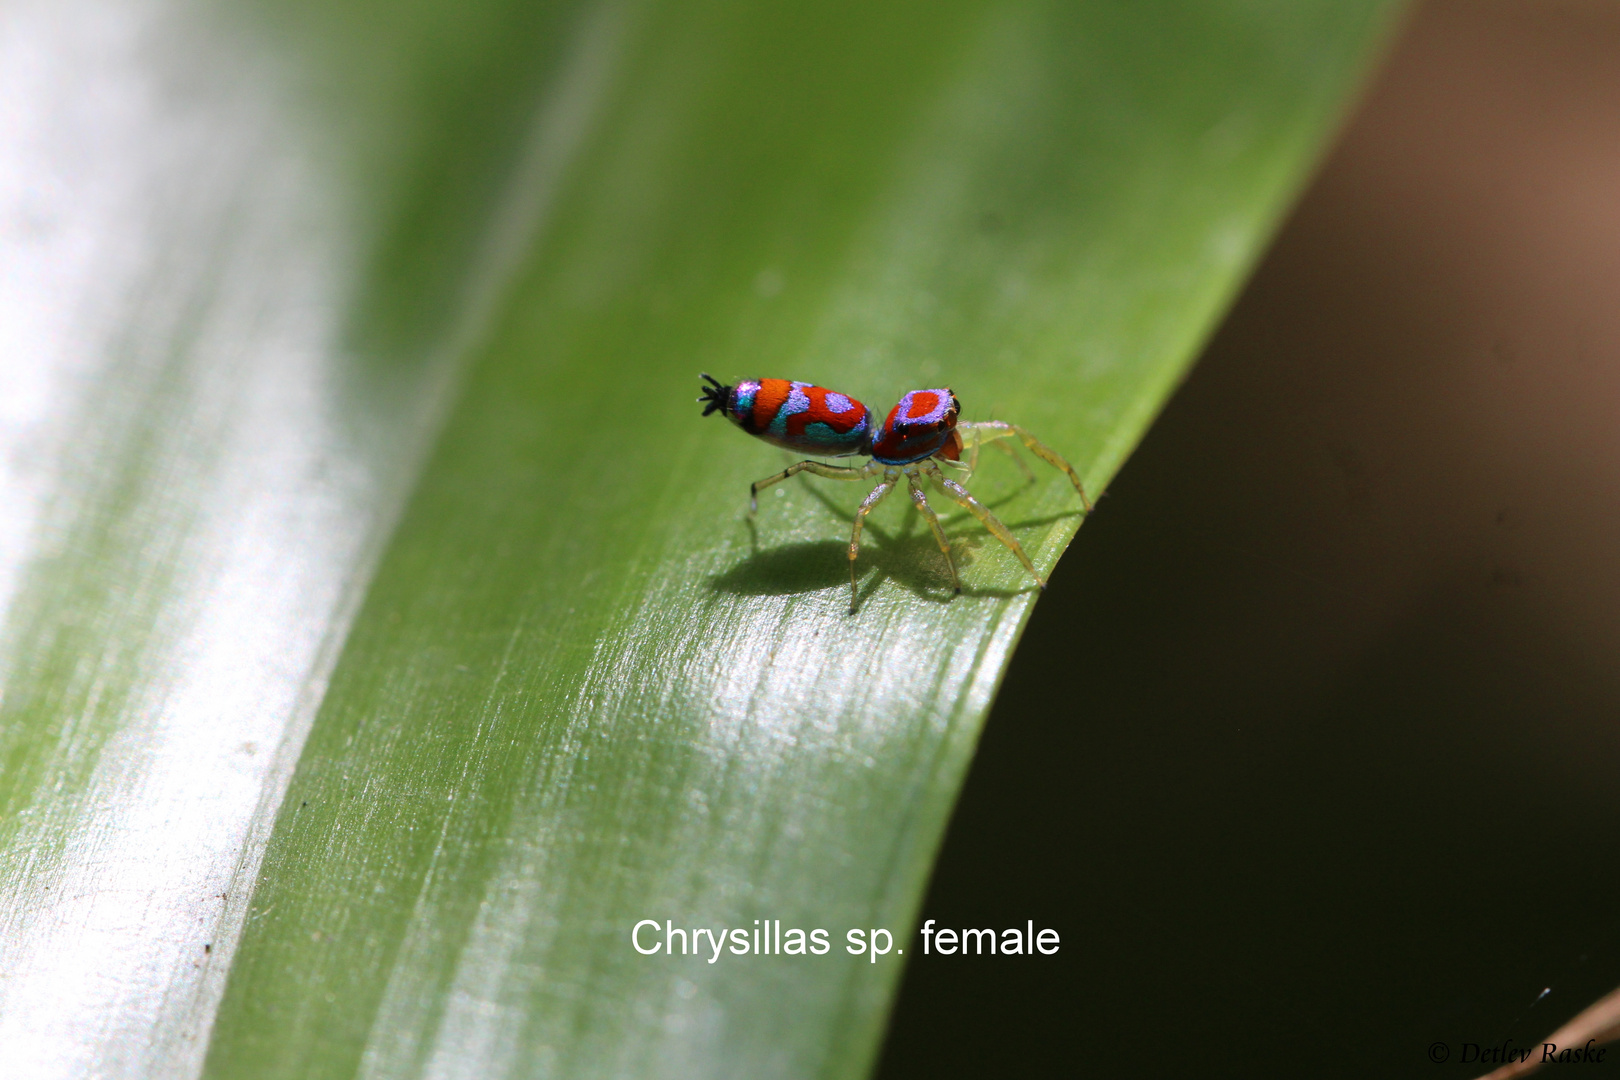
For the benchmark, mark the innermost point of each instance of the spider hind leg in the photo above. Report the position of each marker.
(831, 472)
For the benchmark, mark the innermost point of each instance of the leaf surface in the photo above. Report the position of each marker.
(367, 455)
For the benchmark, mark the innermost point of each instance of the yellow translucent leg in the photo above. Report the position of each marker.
(831, 472)
(855, 538)
(989, 430)
(986, 518)
(921, 500)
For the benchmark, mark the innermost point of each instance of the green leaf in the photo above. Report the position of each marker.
(362, 451)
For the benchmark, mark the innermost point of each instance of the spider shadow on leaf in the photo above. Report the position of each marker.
(909, 557)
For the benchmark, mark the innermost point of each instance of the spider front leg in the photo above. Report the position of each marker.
(986, 518)
(831, 472)
(987, 430)
(978, 443)
(918, 497)
(876, 496)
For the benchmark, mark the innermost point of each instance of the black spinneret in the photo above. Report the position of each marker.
(714, 396)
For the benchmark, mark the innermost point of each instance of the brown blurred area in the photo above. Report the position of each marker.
(1312, 751)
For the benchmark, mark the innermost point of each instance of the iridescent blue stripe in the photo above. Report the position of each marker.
(742, 403)
(797, 402)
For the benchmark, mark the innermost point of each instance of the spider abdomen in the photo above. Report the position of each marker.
(800, 416)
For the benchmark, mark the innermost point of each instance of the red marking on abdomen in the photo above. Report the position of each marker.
(819, 413)
(773, 394)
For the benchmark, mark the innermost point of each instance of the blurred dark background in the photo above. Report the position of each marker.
(1310, 753)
